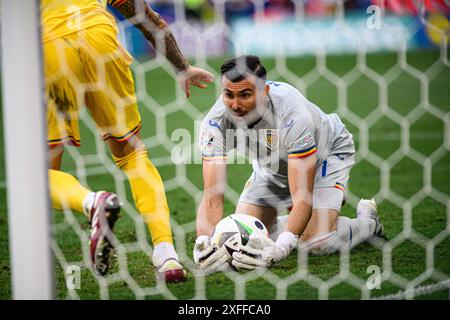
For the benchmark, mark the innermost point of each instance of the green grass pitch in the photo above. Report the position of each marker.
(429, 217)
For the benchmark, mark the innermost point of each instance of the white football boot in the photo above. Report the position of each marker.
(171, 271)
(368, 209)
(167, 264)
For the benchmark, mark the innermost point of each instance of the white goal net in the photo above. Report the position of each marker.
(382, 66)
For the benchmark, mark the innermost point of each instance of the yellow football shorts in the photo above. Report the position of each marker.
(89, 68)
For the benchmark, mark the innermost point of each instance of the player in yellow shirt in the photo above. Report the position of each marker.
(86, 65)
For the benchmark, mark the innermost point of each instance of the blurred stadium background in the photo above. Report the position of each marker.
(388, 79)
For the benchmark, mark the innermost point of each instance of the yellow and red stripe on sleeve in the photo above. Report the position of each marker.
(339, 186)
(303, 153)
(116, 3)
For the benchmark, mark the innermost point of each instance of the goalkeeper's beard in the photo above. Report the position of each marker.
(250, 117)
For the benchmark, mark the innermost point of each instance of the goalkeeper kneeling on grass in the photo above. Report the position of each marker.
(301, 162)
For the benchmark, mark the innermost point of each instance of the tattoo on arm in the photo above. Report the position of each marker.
(155, 29)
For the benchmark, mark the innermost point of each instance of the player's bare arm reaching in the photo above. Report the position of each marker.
(301, 181)
(156, 31)
(209, 213)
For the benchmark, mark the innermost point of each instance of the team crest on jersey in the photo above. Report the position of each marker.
(271, 138)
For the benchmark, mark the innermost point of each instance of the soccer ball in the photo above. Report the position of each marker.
(234, 231)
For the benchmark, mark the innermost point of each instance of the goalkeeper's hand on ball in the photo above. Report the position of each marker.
(209, 258)
(262, 252)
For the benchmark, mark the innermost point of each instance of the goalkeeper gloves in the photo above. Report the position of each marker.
(209, 258)
(263, 252)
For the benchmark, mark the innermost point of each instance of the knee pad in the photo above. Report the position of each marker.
(321, 245)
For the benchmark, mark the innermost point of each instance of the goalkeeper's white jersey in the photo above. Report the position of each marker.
(291, 127)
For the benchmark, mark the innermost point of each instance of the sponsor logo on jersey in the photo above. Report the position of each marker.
(273, 83)
(301, 143)
(289, 123)
(214, 124)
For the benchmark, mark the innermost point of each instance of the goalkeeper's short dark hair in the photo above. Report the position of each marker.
(237, 69)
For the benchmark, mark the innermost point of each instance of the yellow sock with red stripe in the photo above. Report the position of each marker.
(148, 193)
(66, 191)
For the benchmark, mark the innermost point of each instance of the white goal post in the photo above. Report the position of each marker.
(23, 103)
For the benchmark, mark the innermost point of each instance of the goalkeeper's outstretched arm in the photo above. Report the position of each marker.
(210, 210)
(301, 173)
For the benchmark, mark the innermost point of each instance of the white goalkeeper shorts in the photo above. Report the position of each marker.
(330, 183)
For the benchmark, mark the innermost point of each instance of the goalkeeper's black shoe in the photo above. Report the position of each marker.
(103, 215)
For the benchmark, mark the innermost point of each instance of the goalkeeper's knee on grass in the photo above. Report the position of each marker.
(320, 245)
(349, 233)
